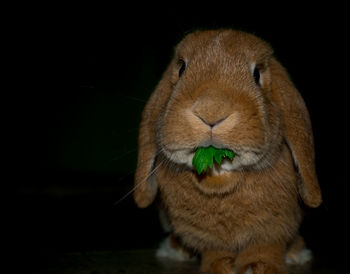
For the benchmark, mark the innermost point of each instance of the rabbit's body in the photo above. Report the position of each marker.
(225, 89)
(260, 208)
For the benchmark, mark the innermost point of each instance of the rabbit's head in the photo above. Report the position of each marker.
(221, 84)
(225, 89)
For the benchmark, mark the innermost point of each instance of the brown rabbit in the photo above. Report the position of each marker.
(224, 88)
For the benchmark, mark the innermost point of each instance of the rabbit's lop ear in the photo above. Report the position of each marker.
(146, 186)
(297, 131)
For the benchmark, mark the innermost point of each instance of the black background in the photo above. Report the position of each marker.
(83, 75)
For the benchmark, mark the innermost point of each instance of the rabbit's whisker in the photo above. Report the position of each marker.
(164, 161)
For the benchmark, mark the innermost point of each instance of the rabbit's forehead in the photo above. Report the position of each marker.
(225, 44)
(215, 59)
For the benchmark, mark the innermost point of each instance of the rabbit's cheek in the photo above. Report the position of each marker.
(244, 159)
(250, 158)
(247, 158)
(180, 156)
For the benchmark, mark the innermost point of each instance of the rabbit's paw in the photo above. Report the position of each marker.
(171, 248)
(302, 257)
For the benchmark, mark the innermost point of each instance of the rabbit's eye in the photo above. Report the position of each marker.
(256, 75)
(182, 66)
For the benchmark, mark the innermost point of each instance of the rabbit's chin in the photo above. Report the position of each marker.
(243, 159)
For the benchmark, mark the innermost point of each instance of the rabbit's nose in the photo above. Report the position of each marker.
(212, 107)
(211, 123)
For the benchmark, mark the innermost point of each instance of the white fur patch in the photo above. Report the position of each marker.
(165, 250)
(303, 257)
(248, 271)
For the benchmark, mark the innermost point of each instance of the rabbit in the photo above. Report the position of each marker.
(224, 88)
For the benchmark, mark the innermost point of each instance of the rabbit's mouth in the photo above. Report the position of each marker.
(244, 158)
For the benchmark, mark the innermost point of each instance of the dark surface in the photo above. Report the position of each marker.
(80, 229)
(84, 75)
(145, 262)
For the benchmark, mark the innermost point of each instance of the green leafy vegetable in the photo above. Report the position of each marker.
(205, 156)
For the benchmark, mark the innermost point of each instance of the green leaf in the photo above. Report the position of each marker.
(204, 157)
(219, 154)
(229, 153)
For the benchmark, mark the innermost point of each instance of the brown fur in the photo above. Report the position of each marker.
(248, 210)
